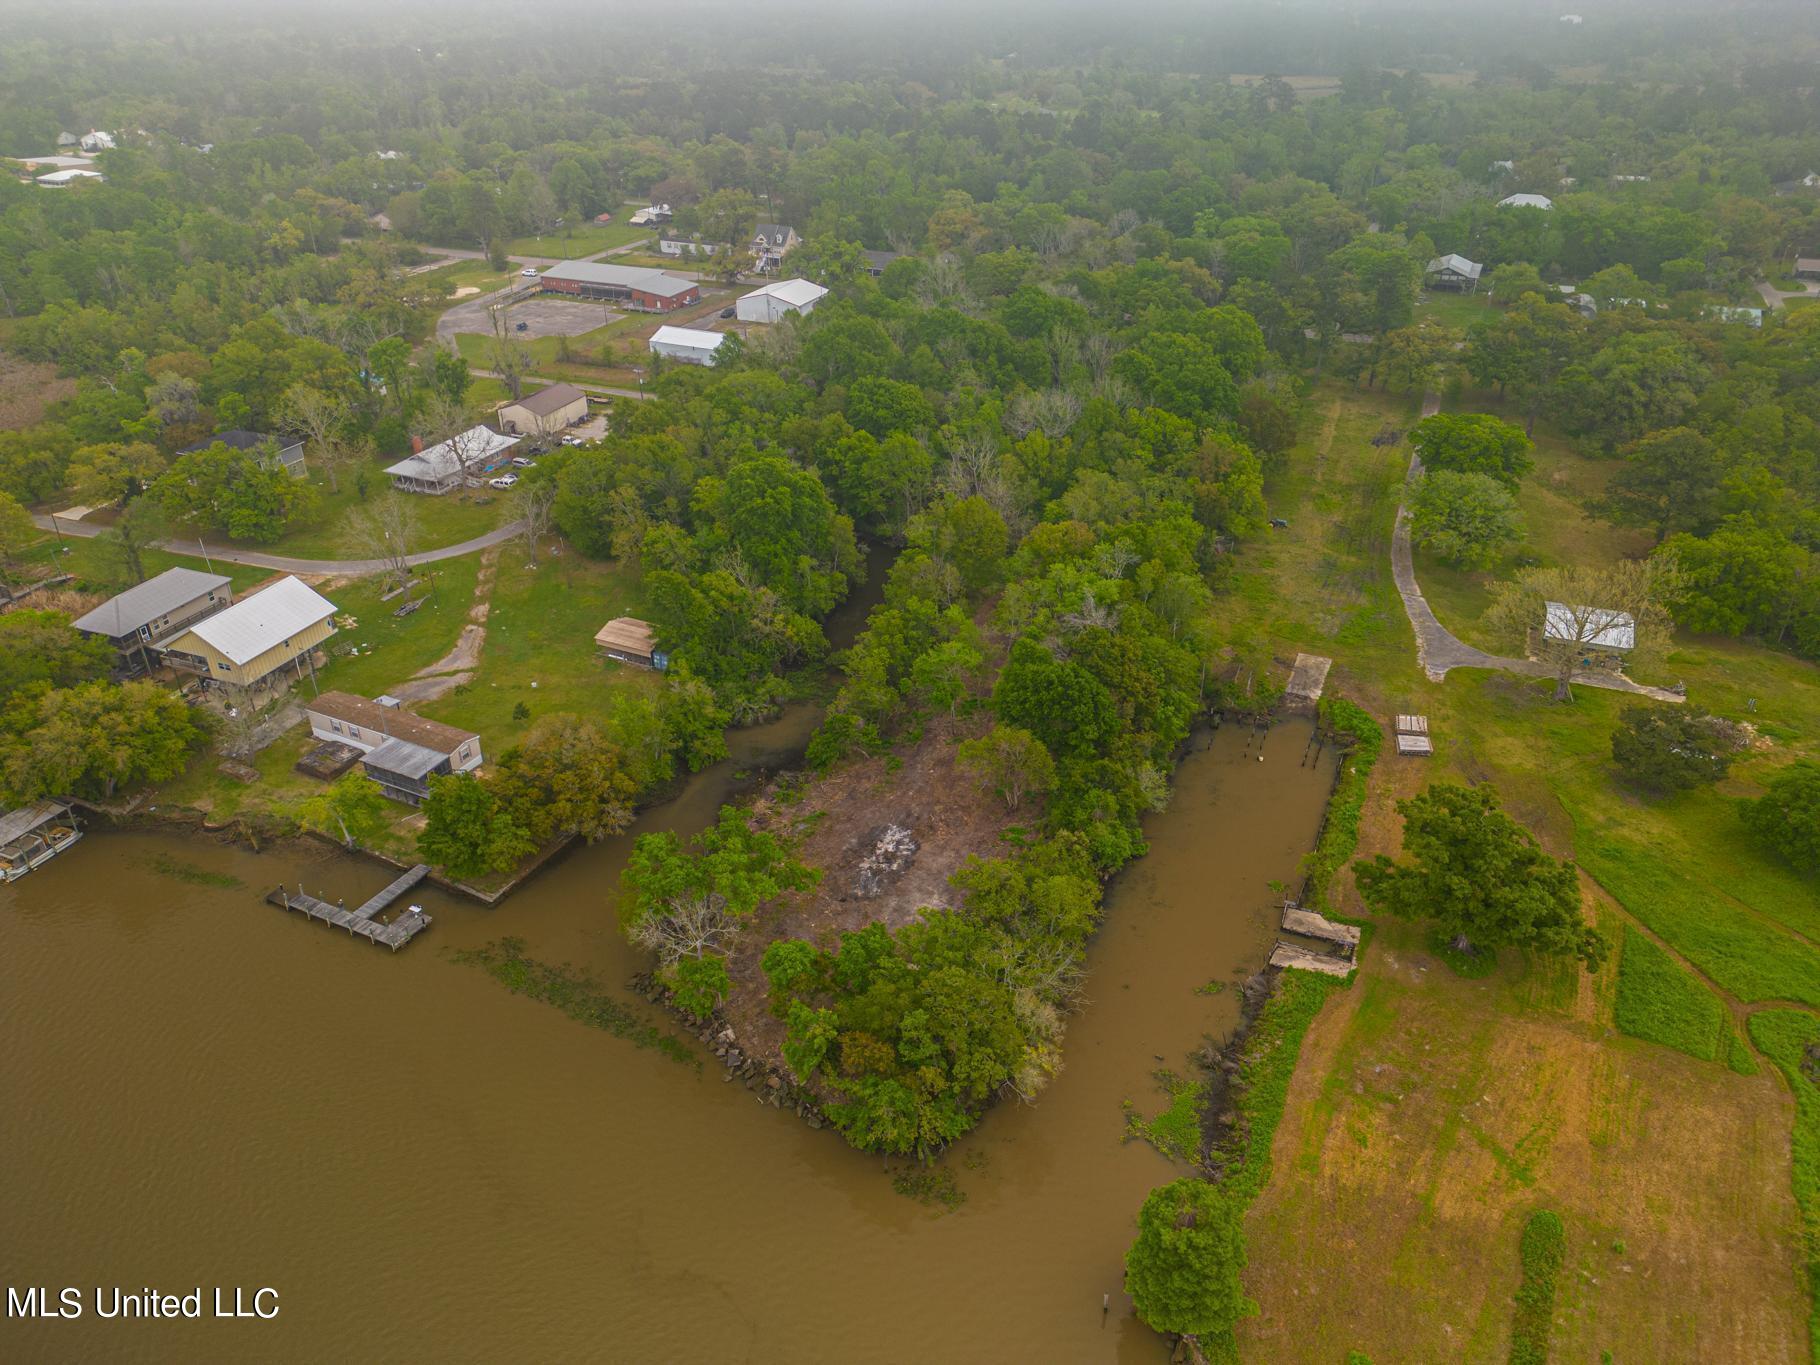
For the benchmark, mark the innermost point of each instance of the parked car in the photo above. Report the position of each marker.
(529, 272)
(504, 481)
(523, 326)
(728, 312)
(524, 461)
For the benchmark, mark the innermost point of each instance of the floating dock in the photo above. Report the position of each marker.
(364, 919)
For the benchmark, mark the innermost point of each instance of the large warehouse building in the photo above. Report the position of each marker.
(637, 287)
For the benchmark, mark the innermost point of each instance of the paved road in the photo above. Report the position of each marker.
(1773, 297)
(286, 563)
(1438, 649)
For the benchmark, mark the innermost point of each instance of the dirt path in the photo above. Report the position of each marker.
(1438, 649)
(458, 665)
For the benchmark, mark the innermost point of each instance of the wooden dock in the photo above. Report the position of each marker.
(1288, 955)
(1313, 924)
(363, 920)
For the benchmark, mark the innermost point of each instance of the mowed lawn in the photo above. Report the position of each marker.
(581, 240)
(540, 652)
(1432, 1114)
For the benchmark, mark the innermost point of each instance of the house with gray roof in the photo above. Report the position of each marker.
(771, 242)
(139, 618)
(1453, 272)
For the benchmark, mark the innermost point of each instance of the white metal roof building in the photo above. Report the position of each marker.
(639, 286)
(58, 179)
(244, 631)
(448, 463)
(1526, 201)
(774, 300)
(1594, 627)
(145, 611)
(686, 344)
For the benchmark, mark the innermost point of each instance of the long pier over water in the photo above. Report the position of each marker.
(363, 920)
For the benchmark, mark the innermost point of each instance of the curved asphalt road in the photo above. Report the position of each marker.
(1438, 649)
(196, 549)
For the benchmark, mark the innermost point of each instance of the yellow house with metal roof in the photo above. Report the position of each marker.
(248, 644)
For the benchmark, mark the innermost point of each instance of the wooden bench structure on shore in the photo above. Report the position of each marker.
(1313, 924)
(1412, 737)
(1288, 955)
(363, 919)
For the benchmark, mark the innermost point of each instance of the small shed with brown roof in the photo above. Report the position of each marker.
(631, 641)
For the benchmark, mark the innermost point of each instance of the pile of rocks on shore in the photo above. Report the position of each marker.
(767, 1084)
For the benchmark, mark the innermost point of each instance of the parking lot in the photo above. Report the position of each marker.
(543, 315)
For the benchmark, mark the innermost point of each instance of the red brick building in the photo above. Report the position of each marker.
(635, 287)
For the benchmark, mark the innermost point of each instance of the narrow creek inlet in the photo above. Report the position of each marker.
(197, 1089)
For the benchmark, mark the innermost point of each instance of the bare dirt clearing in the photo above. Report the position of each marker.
(866, 818)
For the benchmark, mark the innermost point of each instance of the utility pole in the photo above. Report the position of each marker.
(205, 554)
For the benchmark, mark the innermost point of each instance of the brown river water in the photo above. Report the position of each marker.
(197, 1089)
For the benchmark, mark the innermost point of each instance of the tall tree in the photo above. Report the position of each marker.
(1563, 614)
(1670, 481)
(352, 807)
(566, 776)
(1182, 1272)
(1467, 519)
(1473, 443)
(468, 831)
(1481, 878)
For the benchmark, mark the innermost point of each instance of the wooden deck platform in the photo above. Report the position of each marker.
(1307, 680)
(1313, 924)
(1288, 955)
(363, 920)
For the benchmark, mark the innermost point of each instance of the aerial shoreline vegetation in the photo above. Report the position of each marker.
(1123, 360)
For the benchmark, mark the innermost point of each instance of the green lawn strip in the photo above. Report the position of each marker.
(380, 650)
(1450, 309)
(1261, 1089)
(1543, 1248)
(1340, 830)
(581, 240)
(1791, 1040)
(97, 569)
(1742, 954)
(540, 649)
(1660, 1002)
(463, 274)
(446, 520)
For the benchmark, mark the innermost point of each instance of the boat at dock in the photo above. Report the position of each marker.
(32, 835)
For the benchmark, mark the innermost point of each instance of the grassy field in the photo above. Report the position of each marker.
(1659, 1001)
(537, 652)
(465, 274)
(581, 240)
(97, 569)
(1451, 309)
(1432, 1114)
(446, 520)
